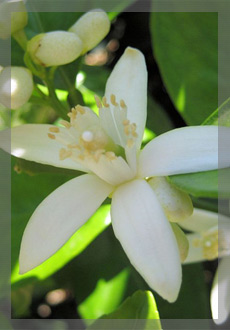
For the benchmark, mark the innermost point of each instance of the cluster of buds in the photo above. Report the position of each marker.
(16, 86)
(62, 47)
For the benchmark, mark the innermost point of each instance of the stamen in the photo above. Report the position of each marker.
(51, 136)
(113, 100)
(65, 123)
(98, 101)
(63, 154)
(80, 109)
(122, 104)
(97, 154)
(130, 143)
(110, 155)
(104, 101)
(126, 122)
(54, 129)
(127, 130)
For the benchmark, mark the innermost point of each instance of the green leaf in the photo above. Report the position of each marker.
(186, 49)
(220, 116)
(141, 305)
(106, 297)
(202, 184)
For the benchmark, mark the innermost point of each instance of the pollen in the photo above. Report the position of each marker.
(104, 101)
(63, 154)
(97, 154)
(51, 136)
(65, 123)
(110, 155)
(130, 143)
(54, 129)
(113, 100)
(122, 104)
(98, 101)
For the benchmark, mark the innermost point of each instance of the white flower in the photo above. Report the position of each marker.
(16, 86)
(108, 149)
(203, 245)
(13, 17)
(54, 48)
(91, 28)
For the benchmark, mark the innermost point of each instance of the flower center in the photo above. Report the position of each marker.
(89, 137)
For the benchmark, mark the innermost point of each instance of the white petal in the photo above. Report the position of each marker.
(147, 237)
(195, 252)
(114, 171)
(183, 150)
(220, 294)
(57, 218)
(128, 81)
(200, 221)
(31, 142)
(177, 204)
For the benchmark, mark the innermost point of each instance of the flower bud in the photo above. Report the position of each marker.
(54, 48)
(13, 17)
(91, 28)
(16, 86)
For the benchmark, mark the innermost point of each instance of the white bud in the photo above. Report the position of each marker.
(16, 86)
(13, 17)
(54, 48)
(91, 28)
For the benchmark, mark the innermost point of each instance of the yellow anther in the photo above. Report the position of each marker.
(127, 130)
(80, 109)
(130, 143)
(98, 101)
(98, 154)
(51, 136)
(54, 129)
(122, 104)
(104, 101)
(72, 115)
(126, 122)
(113, 100)
(65, 123)
(110, 155)
(63, 154)
(134, 134)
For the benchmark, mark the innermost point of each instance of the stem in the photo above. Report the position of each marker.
(58, 107)
(39, 72)
(70, 87)
(21, 38)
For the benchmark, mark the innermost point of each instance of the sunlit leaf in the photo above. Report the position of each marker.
(106, 297)
(140, 306)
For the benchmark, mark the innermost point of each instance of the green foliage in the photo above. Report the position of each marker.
(105, 298)
(186, 49)
(221, 116)
(141, 305)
